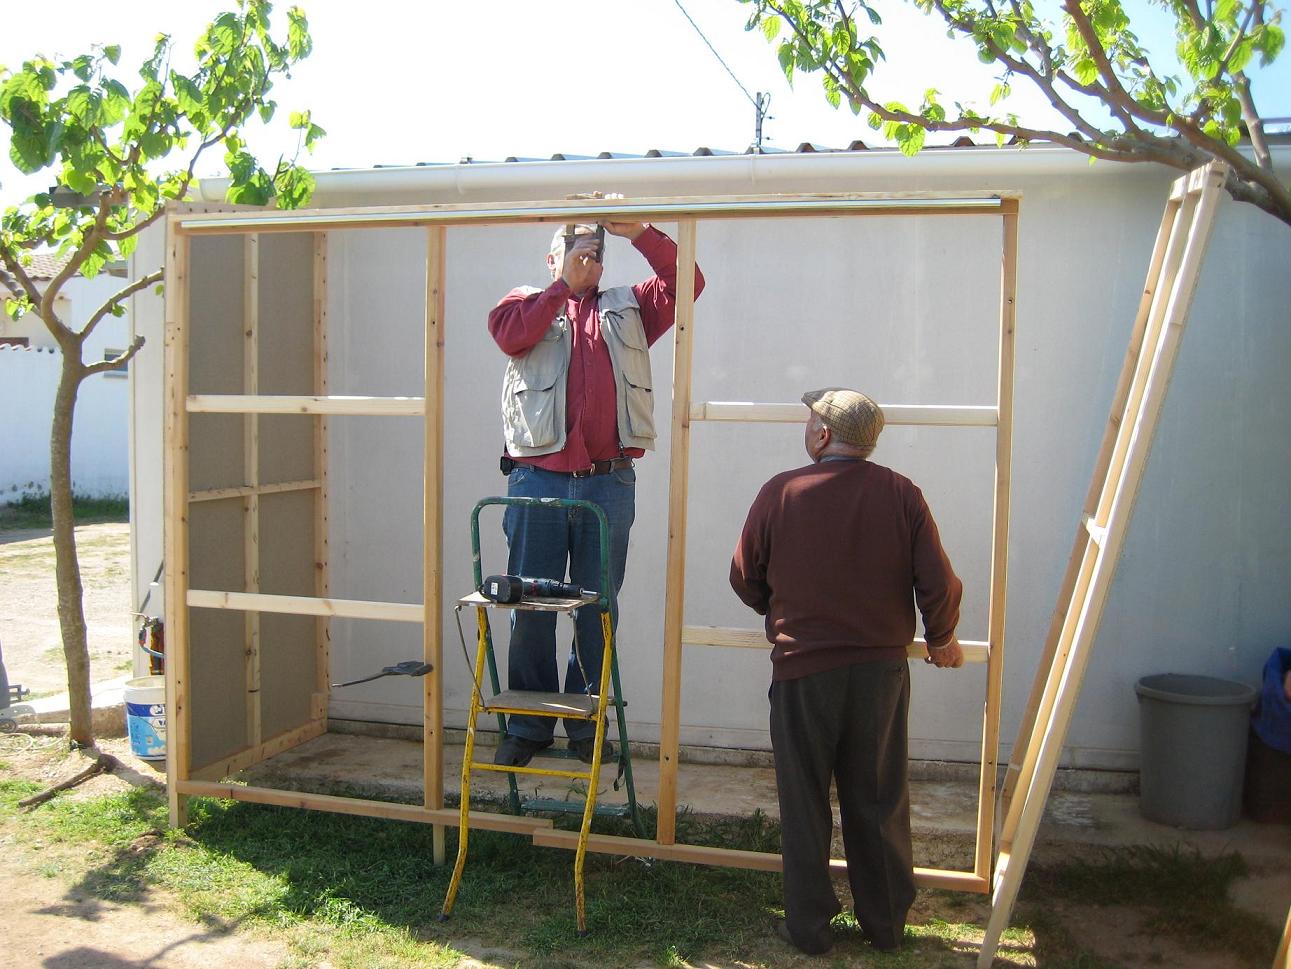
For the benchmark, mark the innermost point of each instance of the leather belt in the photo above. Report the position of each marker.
(599, 467)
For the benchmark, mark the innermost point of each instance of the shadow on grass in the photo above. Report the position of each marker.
(241, 863)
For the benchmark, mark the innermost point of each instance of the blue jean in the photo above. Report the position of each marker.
(544, 543)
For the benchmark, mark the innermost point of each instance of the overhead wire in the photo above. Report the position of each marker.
(752, 100)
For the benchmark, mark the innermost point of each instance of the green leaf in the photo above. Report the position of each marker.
(770, 28)
(299, 44)
(112, 52)
(910, 139)
(832, 94)
(785, 53)
(294, 186)
(1272, 41)
(1085, 70)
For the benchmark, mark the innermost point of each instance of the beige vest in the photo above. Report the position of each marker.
(534, 387)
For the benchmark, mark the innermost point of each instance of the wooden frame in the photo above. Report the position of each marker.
(435, 219)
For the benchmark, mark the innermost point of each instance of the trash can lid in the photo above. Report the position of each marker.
(1190, 688)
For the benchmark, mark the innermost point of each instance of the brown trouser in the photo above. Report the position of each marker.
(847, 724)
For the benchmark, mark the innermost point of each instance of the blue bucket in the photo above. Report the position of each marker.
(145, 700)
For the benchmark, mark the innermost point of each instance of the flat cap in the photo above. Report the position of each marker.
(851, 416)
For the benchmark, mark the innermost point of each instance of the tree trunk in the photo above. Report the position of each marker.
(67, 569)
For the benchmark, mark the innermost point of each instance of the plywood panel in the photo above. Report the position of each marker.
(288, 646)
(216, 451)
(287, 314)
(286, 447)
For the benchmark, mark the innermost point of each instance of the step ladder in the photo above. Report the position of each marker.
(572, 706)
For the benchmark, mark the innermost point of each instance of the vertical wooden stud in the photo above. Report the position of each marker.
(433, 528)
(251, 459)
(175, 502)
(322, 582)
(678, 487)
(1000, 541)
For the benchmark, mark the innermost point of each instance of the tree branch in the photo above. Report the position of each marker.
(143, 282)
(16, 275)
(124, 356)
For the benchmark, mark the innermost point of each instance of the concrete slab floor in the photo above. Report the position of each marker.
(943, 811)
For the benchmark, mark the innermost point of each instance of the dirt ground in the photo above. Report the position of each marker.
(29, 634)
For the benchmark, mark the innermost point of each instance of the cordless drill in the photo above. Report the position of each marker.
(512, 588)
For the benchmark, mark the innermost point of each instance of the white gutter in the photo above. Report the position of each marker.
(738, 174)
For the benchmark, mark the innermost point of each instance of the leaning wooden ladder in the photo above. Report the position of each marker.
(1154, 344)
(568, 706)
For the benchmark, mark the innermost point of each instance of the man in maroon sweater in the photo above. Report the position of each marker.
(835, 555)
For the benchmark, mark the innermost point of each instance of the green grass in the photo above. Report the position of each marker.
(32, 511)
(363, 893)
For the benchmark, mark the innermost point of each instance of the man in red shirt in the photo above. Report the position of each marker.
(577, 410)
(836, 555)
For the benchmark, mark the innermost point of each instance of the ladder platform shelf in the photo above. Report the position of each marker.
(565, 706)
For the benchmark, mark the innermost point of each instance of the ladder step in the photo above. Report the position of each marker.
(574, 807)
(576, 706)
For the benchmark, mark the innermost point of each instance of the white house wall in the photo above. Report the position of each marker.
(905, 309)
(28, 380)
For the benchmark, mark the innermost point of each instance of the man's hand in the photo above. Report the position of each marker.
(628, 230)
(580, 270)
(950, 656)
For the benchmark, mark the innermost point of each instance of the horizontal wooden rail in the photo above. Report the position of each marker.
(362, 806)
(592, 210)
(306, 605)
(927, 415)
(963, 881)
(974, 652)
(246, 491)
(342, 406)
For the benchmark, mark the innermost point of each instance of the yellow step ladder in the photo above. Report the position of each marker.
(571, 706)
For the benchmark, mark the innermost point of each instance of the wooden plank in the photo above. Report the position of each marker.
(322, 521)
(661, 209)
(974, 651)
(1116, 506)
(363, 807)
(251, 465)
(988, 778)
(920, 415)
(261, 752)
(292, 404)
(433, 535)
(306, 605)
(735, 858)
(273, 488)
(678, 489)
(175, 472)
(577, 706)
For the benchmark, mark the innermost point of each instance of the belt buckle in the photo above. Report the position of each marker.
(584, 472)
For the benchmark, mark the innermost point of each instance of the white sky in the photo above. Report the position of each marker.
(398, 83)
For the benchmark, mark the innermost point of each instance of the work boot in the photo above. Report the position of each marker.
(518, 751)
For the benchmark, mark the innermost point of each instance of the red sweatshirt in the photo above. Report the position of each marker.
(835, 555)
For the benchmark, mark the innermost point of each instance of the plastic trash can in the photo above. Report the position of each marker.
(1192, 744)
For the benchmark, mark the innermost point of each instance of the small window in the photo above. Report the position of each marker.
(121, 369)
